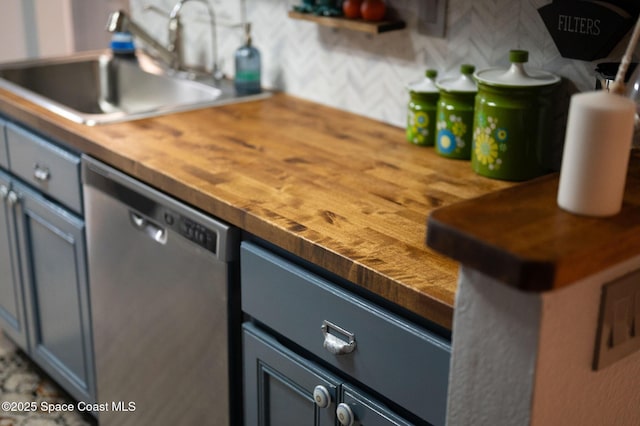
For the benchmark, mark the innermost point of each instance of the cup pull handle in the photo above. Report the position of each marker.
(335, 344)
(41, 174)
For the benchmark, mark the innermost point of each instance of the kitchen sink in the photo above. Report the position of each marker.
(98, 88)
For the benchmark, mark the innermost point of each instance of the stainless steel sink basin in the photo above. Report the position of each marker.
(96, 88)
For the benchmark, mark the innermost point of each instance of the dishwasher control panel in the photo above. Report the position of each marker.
(195, 232)
(191, 230)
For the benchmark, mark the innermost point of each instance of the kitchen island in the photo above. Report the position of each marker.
(546, 304)
(346, 193)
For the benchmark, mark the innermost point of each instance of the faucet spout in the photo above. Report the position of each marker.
(119, 22)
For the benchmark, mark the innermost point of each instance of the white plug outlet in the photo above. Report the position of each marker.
(619, 323)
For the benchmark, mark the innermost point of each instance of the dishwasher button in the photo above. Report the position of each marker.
(168, 219)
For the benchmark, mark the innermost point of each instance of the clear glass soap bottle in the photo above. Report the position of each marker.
(248, 66)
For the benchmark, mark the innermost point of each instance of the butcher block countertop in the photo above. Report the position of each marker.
(344, 192)
(521, 237)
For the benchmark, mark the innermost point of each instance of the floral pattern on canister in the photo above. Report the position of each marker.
(490, 141)
(418, 127)
(451, 132)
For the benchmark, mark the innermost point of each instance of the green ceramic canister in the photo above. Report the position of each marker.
(421, 114)
(455, 114)
(513, 120)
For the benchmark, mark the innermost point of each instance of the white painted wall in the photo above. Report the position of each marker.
(35, 28)
(40, 28)
(567, 390)
(525, 358)
(495, 346)
(13, 44)
(54, 24)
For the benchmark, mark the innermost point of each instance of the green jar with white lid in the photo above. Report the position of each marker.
(421, 114)
(455, 114)
(513, 122)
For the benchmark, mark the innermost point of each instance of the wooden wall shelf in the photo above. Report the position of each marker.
(351, 24)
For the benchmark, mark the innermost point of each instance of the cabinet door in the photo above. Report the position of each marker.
(12, 315)
(51, 241)
(366, 411)
(279, 385)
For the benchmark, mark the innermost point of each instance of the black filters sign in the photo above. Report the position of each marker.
(586, 30)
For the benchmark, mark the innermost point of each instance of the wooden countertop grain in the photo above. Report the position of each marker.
(521, 237)
(344, 192)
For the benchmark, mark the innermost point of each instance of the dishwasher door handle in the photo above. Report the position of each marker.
(155, 232)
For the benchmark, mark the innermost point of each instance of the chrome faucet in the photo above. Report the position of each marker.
(173, 54)
(175, 33)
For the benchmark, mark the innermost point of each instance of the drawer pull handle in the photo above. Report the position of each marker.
(333, 343)
(4, 191)
(41, 174)
(321, 396)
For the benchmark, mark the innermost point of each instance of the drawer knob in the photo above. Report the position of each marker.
(345, 414)
(321, 396)
(335, 344)
(41, 174)
(4, 191)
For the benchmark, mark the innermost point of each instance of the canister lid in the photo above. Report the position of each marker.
(426, 85)
(516, 75)
(461, 84)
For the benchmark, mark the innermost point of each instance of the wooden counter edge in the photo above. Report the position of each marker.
(562, 248)
(522, 273)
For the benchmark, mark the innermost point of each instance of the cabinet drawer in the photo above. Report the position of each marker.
(51, 169)
(4, 161)
(400, 360)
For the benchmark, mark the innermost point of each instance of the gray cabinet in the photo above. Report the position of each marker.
(54, 277)
(44, 300)
(50, 169)
(404, 365)
(285, 389)
(364, 410)
(12, 314)
(279, 385)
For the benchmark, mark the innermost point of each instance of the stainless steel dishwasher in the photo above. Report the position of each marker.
(159, 278)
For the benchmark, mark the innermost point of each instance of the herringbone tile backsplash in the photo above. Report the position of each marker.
(367, 74)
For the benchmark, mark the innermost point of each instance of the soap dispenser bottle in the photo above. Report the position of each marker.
(248, 66)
